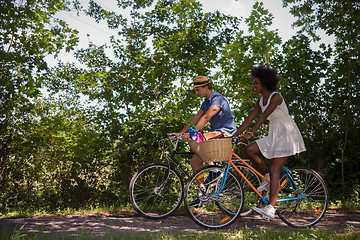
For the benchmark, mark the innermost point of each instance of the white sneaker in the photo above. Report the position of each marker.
(264, 186)
(268, 212)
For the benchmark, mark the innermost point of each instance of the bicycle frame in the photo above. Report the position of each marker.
(216, 195)
(264, 199)
(171, 160)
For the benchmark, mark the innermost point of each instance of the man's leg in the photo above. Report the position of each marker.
(196, 162)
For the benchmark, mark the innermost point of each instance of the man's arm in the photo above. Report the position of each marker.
(205, 118)
(194, 120)
(199, 120)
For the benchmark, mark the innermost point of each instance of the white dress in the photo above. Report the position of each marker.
(284, 137)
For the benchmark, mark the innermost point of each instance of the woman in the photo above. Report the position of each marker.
(284, 138)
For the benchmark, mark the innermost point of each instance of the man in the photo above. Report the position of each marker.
(214, 109)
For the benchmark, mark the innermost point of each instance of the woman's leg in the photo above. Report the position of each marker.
(252, 152)
(274, 171)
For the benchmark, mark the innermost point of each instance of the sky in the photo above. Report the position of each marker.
(99, 34)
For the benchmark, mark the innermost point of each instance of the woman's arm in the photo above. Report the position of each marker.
(256, 111)
(275, 101)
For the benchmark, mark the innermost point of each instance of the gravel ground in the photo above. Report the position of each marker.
(104, 224)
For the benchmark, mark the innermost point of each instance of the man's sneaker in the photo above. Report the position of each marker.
(268, 212)
(212, 176)
(264, 186)
(195, 203)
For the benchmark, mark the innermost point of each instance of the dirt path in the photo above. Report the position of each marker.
(103, 224)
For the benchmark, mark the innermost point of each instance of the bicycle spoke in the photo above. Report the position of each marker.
(151, 199)
(216, 209)
(308, 210)
(250, 196)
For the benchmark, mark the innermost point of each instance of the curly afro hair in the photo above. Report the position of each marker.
(269, 77)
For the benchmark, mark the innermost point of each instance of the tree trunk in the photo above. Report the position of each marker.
(347, 113)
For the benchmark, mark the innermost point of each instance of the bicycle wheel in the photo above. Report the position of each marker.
(309, 210)
(149, 197)
(215, 209)
(251, 198)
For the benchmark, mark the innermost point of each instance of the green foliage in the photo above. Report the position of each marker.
(60, 160)
(29, 32)
(340, 85)
(303, 71)
(57, 154)
(261, 46)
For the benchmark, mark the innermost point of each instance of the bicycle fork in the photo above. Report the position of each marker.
(158, 189)
(223, 180)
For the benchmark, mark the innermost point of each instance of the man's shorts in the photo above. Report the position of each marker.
(214, 134)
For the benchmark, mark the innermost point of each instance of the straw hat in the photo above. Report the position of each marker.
(200, 81)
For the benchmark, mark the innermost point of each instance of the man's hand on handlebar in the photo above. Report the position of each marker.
(185, 136)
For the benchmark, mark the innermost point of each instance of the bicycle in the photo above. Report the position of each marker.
(302, 200)
(156, 190)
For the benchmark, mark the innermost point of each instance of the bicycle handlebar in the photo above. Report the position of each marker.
(174, 137)
(235, 140)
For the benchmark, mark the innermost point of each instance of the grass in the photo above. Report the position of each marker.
(68, 211)
(127, 209)
(240, 234)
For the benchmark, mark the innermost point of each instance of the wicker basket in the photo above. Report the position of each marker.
(216, 150)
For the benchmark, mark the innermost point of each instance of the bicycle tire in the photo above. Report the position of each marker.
(148, 199)
(304, 212)
(215, 211)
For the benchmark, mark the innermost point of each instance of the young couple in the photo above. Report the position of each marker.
(284, 138)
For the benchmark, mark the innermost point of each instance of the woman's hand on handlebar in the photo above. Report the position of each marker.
(240, 138)
(245, 137)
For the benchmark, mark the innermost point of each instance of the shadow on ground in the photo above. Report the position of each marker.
(104, 224)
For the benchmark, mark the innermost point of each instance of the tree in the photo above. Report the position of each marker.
(58, 160)
(339, 19)
(303, 72)
(28, 34)
(145, 90)
(261, 46)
